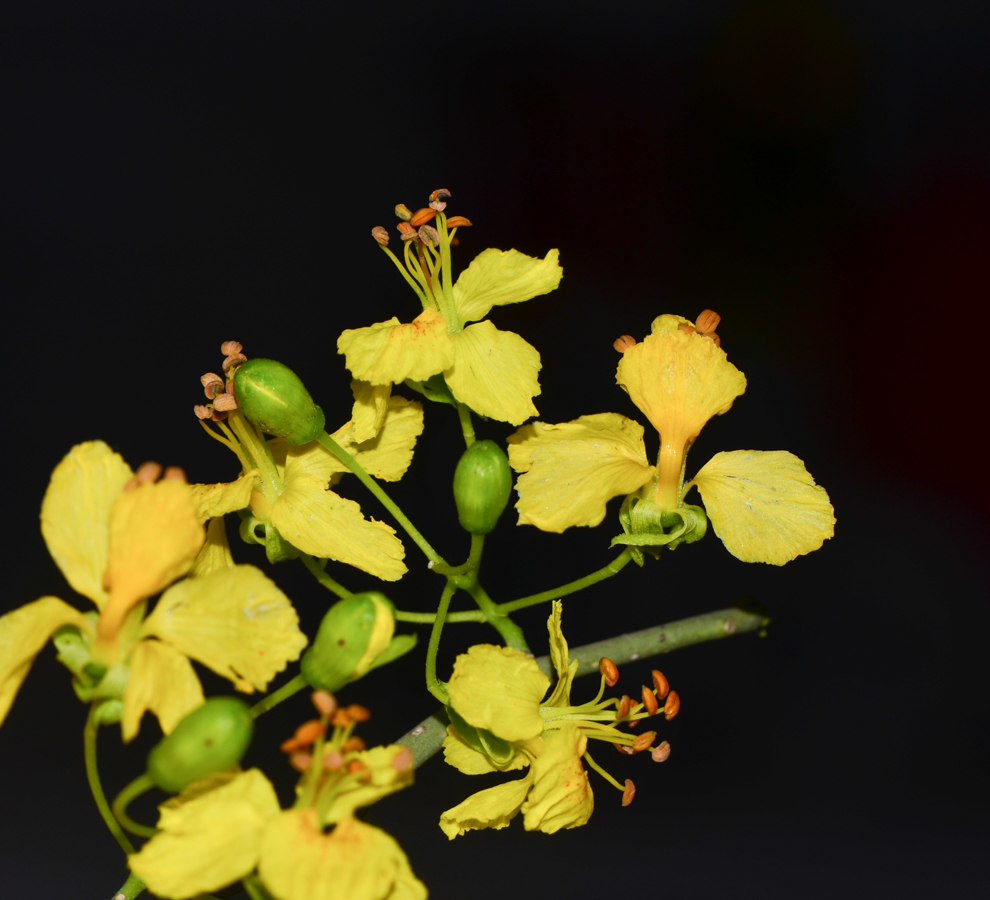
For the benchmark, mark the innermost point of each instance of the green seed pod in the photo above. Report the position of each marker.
(213, 737)
(272, 396)
(354, 631)
(482, 484)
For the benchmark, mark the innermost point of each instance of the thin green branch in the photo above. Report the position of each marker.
(140, 785)
(433, 684)
(292, 686)
(93, 777)
(510, 632)
(467, 426)
(317, 571)
(614, 567)
(425, 739)
(471, 615)
(130, 888)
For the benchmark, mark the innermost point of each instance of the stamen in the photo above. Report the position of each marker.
(624, 749)
(229, 348)
(203, 412)
(174, 473)
(308, 732)
(660, 683)
(601, 771)
(406, 231)
(687, 329)
(609, 670)
(672, 706)
(422, 216)
(325, 702)
(458, 222)
(403, 212)
(661, 753)
(213, 384)
(644, 741)
(340, 718)
(225, 402)
(625, 704)
(428, 235)
(708, 321)
(147, 473)
(333, 760)
(233, 359)
(650, 701)
(353, 744)
(438, 199)
(289, 746)
(629, 793)
(624, 342)
(380, 235)
(300, 761)
(357, 713)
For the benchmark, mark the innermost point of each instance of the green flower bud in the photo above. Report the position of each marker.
(482, 484)
(213, 737)
(272, 396)
(353, 633)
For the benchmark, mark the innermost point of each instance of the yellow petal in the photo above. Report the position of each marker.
(560, 657)
(327, 526)
(561, 795)
(390, 351)
(498, 277)
(388, 455)
(154, 539)
(161, 680)
(76, 511)
(381, 779)
(235, 621)
(219, 499)
(495, 373)
(494, 808)
(215, 553)
(464, 758)
(572, 470)
(370, 406)
(210, 841)
(23, 632)
(356, 861)
(764, 505)
(500, 689)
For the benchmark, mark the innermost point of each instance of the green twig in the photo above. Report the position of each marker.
(470, 615)
(254, 888)
(140, 785)
(433, 684)
(511, 633)
(93, 777)
(292, 686)
(615, 566)
(130, 888)
(425, 739)
(317, 571)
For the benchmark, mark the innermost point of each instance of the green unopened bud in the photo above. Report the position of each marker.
(648, 526)
(482, 484)
(272, 396)
(353, 633)
(213, 737)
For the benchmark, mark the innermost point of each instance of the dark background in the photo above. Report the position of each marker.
(175, 176)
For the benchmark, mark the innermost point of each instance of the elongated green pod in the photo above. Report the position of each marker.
(272, 396)
(482, 484)
(211, 738)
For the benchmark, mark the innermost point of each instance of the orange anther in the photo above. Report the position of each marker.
(174, 473)
(624, 342)
(625, 704)
(225, 402)
(650, 701)
(300, 761)
(672, 706)
(629, 793)
(439, 194)
(148, 473)
(229, 348)
(609, 670)
(355, 765)
(660, 683)
(687, 329)
(403, 760)
(714, 338)
(406, 231)
(661, 753)
(213, 384)
(458, 222)
(403, 212)
(308, 732)
(203, 412)
(333, 760)
(353, 744)
(708, 321)
(624, 749)
(429, 235)
(340, 718)
(289, 746)
(358, 713)
(324, 701)
(422, 216)
(380, 234)
(644, 740)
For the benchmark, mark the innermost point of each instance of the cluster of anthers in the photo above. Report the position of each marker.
(310, 741)
(704, 325)
(220, 391)
(413, 227)
(631, 713)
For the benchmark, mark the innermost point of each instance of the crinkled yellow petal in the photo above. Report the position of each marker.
(388, 455)
(561, 796)
(327, 526)
(76, 511)
(764, 505)
(212, 500)
(384, 779)
(370, 406)
(560, 658)
(355, 860)
(314, 460)
(570, 471)
(235, 621)
(464, 758)
(390, 351)
(210, 841)
(23, 632)
(494, 808)
(154, 539)
(215, 553)
(162, 680)
(679, 381)
(500, 689)
(498, 277)
(495, 373)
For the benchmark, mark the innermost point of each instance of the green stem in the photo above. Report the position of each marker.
(130, 888)
(93, 777)
(321, 576)
(467, 426)
(433, 684)
(140, 785)
(471, 615)
(292, 686)
(425, 739)
(511, 633)
(254, 888)
(383, 498)
(615, 566)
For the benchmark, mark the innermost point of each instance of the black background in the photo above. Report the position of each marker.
(177, 175)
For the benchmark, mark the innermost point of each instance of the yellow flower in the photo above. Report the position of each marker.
(501, 722)
(493, 372)
(219, 830)
(763, 504)
(119, 540)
